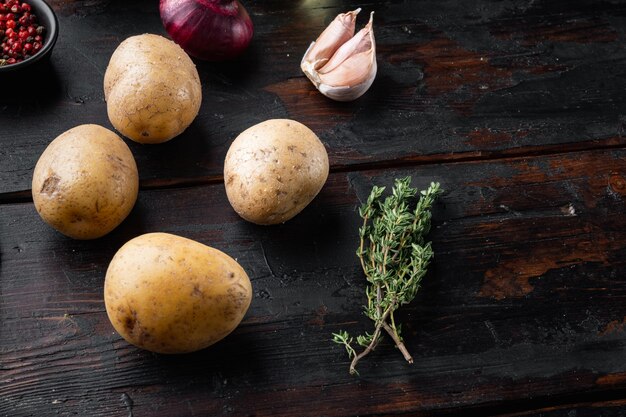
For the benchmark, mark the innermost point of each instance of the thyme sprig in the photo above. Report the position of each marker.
(394, 257)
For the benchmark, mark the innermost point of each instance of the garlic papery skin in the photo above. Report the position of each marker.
(341, 65)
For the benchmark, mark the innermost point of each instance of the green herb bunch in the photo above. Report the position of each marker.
(394, 257)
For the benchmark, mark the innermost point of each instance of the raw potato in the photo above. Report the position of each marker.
(273, 170)
(169, 294)
(152, 89)
(85, 182)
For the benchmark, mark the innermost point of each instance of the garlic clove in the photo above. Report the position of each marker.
(361, 42)
(355, 70)
(348, 93)
(340, 30)
(350, 71)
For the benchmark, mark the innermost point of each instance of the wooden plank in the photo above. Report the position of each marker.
(601, 408)
(524, 304)
(473, 79)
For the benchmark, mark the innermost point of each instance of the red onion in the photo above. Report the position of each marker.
(213, 30)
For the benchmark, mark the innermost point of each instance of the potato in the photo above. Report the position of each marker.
(169, 294)
(273, 170)
(85, 182)
(152, 89)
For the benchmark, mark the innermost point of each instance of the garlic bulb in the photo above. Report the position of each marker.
(340, 64)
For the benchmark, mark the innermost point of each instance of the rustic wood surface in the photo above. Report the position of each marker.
(517, 108)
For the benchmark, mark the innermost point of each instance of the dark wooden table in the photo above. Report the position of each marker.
(517, 107)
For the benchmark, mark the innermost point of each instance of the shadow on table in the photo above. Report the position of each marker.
(236, 72)
(39, 83)
(182, 157)
(234, 357)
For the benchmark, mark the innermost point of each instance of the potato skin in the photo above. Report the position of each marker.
(169, 294)
(273, 170)
(152, 89)
(85, 182)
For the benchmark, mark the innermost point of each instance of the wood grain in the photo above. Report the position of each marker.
(475, 79)
(615, 408)
(548, 334)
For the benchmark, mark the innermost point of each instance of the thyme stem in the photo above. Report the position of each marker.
(372, 344)
(365, 218)
(399, 343)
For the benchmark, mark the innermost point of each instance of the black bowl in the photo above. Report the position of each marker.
(47, 18)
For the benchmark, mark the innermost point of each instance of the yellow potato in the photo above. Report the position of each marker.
(273, 170)
(152, 89)
(85, 182)
(169, 294)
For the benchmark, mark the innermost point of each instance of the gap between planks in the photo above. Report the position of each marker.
(25, 196)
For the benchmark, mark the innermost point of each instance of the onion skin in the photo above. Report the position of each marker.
(211, 30)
